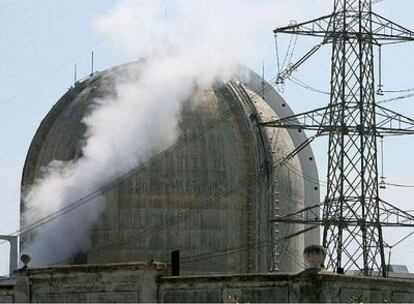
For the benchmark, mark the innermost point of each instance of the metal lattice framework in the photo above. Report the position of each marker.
(353, 213)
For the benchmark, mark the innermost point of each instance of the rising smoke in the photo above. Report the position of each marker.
(185, 43)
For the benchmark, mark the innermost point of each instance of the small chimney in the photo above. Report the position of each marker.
(175, 263)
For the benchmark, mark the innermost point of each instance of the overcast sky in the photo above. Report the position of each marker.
(43, 39)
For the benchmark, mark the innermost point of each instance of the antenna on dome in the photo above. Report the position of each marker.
(263, 80)
(92, 67)
(75, 74)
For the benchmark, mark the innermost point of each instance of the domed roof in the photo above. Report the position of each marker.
(212, 197)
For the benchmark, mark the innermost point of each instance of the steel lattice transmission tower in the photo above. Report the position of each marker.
(353, 213)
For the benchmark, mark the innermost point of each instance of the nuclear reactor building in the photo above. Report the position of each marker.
(212, 196)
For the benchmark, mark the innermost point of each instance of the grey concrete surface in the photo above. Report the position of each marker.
(227, 171)
(6, 293)
(145, 282)
(134, 282)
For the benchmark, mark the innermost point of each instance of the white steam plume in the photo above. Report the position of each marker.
(184, 43)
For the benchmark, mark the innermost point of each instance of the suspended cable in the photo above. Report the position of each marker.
(289, 60)
(399, 185)
(395, 98)
(186, 214)
(302, 84)
(285, 249)
(179, 218)
(311, 179)
(117, 180)
(92, 195)
(36, 82)
(396, 244)
(111, 184)
(263, 82)
(289, 52)
(219, 253)
(294, 258)
(233, 251)
(399, 91)
(277, 54)
(403, 239)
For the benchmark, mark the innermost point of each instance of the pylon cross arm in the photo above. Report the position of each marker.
(316, 27)
(311, 120)
(387, 31)
(390, 123)
(353, 214)
(392, 215)
(382, 31)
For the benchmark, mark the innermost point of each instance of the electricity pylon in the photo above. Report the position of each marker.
(353, 213)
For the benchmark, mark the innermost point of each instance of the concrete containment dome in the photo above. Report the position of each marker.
(212, 198)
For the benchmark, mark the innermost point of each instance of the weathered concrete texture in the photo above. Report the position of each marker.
(6, 293)
(226, 173)
(140, 282)
(306, 156)
(126, 283)
(281, 288)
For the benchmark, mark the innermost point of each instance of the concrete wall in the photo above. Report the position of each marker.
(140, 282)
(280, 288)
(135, 282)
(6, 293)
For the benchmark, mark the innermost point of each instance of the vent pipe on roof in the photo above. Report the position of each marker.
(175, 263)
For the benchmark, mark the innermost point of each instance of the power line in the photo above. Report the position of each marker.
(285, 248)
(395, 98)
(181, 144)
(185, 216)
(302, 84)
(399, 91)
(399, 185)
(222, 252)
(233, 251)
(349, 120)
(112, 183)
(309, 178)
(58, 68)
(117, 180)
(34, 83)
(181, 217)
